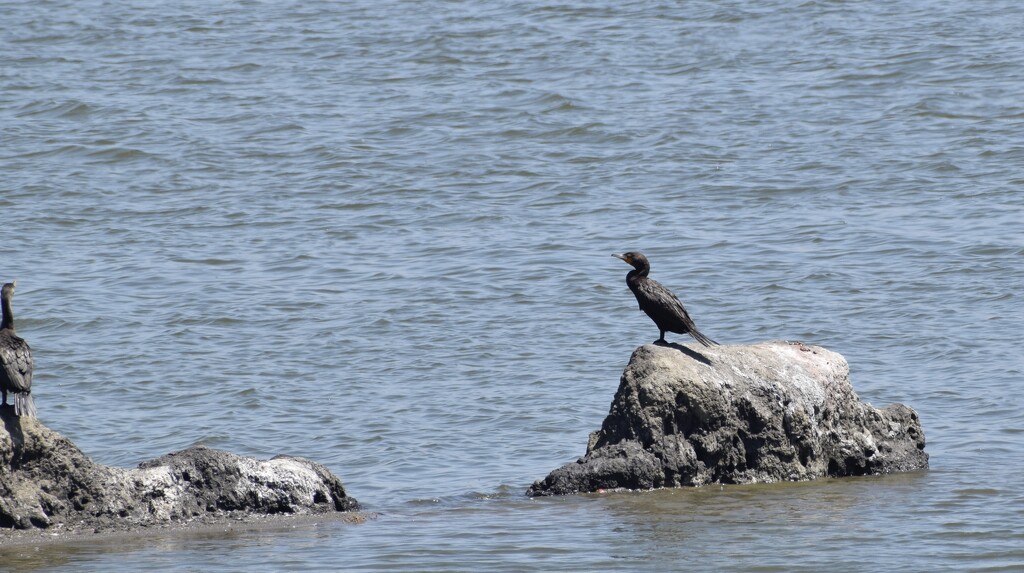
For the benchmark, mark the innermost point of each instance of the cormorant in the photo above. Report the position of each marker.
(15, 359)
(658, 302)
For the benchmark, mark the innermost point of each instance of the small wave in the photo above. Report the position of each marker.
(117, 154)
(60, 109)
(213, 262)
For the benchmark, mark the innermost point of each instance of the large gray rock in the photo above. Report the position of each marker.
(45, 480)
(689, 416)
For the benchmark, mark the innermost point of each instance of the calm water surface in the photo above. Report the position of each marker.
(376, 234)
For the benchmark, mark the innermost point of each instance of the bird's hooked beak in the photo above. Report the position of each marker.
(623, 257)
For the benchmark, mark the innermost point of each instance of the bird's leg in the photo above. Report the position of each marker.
(661, 338)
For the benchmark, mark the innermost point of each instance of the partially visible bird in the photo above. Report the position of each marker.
(658, 302)
(15, 360)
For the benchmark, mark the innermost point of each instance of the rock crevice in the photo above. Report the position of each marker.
(765, 412)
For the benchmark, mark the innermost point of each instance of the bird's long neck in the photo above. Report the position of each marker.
(8, 320)
(641, 271)
(635, 275)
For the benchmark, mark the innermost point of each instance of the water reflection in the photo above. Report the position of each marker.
(168, 545)
(758, 526)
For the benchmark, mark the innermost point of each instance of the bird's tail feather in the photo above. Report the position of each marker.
(24, 405)
(701, 338)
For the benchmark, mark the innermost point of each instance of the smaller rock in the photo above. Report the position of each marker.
(45, 480)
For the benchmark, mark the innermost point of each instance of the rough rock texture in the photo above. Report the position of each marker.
(765, 412)
(45, 480)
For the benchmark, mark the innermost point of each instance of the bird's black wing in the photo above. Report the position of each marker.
(16, 357)
(667, 302)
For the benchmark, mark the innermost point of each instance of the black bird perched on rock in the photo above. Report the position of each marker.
(15, 359)
(658, 302)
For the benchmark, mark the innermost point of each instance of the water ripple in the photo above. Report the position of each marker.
(377, 235)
